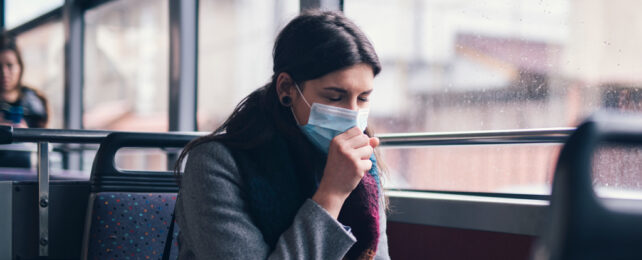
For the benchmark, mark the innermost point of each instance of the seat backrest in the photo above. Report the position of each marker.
(130, 225)
(582, 225)
(129, 212)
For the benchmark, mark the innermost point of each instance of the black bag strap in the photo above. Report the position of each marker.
(170, 237)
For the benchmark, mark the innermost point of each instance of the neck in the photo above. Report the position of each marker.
(11, 96)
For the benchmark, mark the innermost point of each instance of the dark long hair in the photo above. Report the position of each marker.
(310, 46)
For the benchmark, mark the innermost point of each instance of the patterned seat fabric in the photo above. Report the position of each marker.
(131, 225)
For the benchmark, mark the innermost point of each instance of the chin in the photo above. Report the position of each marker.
(5, 87)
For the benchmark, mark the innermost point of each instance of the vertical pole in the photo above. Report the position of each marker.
(183, 67)
(3, 15)
(74, 47)
(183, 36)
(6, 219)
(328, 5)
(43, 198)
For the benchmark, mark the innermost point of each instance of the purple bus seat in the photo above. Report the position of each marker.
(130, 212)
(130, 225)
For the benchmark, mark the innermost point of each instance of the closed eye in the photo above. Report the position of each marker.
(365, 96)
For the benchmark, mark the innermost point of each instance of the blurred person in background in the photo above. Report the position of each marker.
(20, 106)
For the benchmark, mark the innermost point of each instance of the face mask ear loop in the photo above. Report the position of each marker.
(291, 107)
(300, 93)
(293, 115)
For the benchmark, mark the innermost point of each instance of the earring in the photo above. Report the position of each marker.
(286, 101)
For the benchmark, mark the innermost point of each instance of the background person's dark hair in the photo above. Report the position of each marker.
(310, 46)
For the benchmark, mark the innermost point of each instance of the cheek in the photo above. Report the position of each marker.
(302, 112)
(13, 73)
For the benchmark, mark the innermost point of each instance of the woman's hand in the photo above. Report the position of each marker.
(348, 160)
(22, 123)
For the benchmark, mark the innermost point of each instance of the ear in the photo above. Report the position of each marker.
(285, 86)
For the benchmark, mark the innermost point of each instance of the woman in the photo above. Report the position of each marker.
(291, 174)
(20, 106)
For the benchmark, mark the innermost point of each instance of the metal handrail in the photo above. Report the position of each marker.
(517, 136)
(56, 135)
(9, 134)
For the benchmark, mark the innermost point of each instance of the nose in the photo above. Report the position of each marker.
(4, 70)
(354, 104)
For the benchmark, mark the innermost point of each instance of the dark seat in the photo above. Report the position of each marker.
(582, 225)
(130, 225)
(129, 212)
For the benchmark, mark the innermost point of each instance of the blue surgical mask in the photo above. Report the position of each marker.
(326, 122)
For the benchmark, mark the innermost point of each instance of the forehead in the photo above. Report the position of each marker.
(8, 56)
(356, 78)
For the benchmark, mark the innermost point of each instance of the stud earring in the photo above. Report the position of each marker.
(286, 101)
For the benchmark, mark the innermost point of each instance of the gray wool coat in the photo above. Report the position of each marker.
(215, 223)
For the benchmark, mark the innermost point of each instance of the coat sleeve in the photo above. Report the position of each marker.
(215, 224)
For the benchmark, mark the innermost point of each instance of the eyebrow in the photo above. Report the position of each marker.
(343, 91)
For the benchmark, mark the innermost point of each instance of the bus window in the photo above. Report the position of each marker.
(617, 171)
(490, 65)
(126, 66)
(515, 169)
(144, 159)
(235, 52)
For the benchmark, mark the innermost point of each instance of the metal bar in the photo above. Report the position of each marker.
(327, 5)
(548, 135)
(58, 135)
(183, 24)
(91, 4)
(2, 14)
(525, 136)
(530, 196)
(43, 198)
(309, 5)
(73, 29)
(6, 219)
(74, 47)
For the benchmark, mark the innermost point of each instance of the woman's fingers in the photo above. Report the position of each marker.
(349, 134)
(348, 160)
(374, 142)
(364, 152)
(351, 139)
